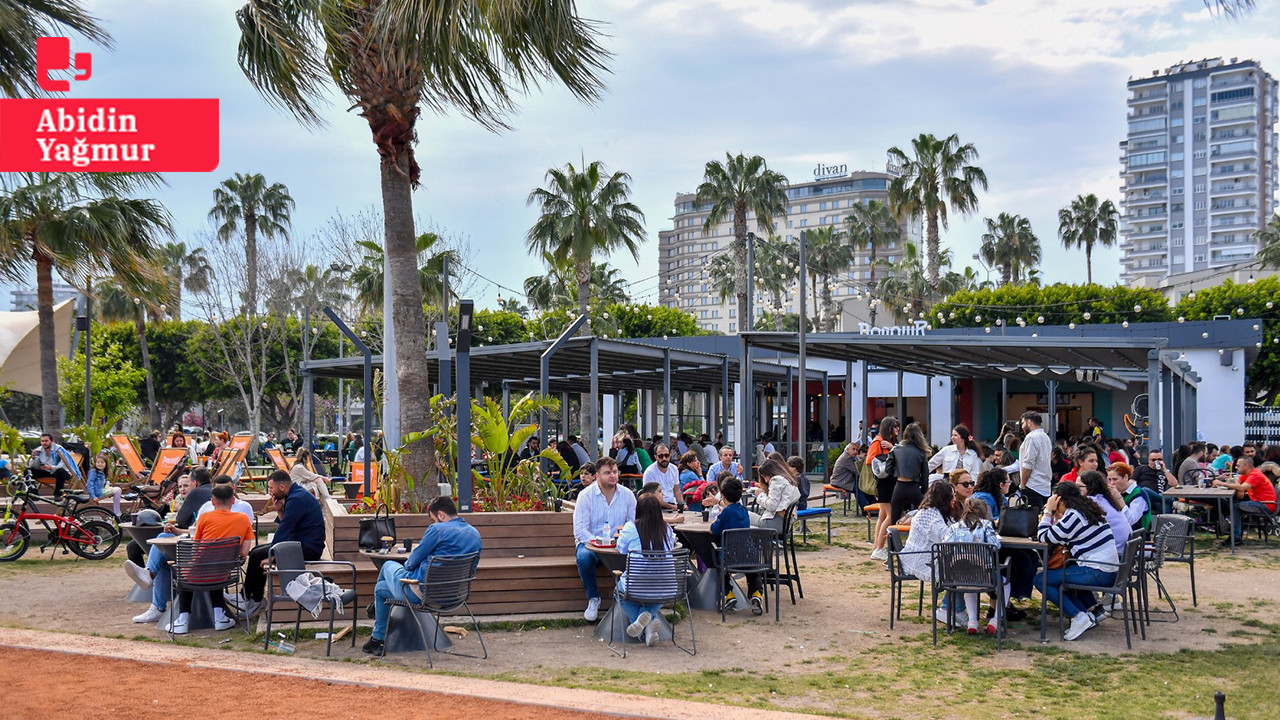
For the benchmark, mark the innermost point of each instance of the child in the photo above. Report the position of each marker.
(734, 516)
(974, 526)
(96, 484)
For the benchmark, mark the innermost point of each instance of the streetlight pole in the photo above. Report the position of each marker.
(803, 427)
(751, 284)
(978, 257)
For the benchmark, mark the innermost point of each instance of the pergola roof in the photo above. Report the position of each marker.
(20, 345)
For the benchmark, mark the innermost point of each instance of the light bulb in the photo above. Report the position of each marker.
(1239, 311)
(1204, 335)
(1087, 315)
(1137, 308)
(988, 329)
(1124, 324)
(1181, 319)
(1191, 296)
(1040, 319)
(977, 318)
(1071, 326)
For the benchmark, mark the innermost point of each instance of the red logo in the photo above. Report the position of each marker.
(102, 135)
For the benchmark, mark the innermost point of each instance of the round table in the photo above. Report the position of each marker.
(201, 617)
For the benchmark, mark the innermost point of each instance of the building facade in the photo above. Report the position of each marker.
(685, 251)
(25, 298)
(1198, 167)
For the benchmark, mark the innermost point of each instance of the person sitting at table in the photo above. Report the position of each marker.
(301, 521)
(974, 526)
(586, 475)
(649, 488)
(601, 509)
(1078, 523)
(1095, 486)
(733, 516)
(667, 476)
(447, 534)
(237, 505)
(691, 479)
(962, 483)
(845, 472)
(992, 487)
(318, 486)
(796, 463)
(220, 522)
(627, 455)
(725, 463)
(648, 532)
(151, 571)
(1253, 485)
(707, 497)
(776, 493)
(1136, 508)
(928, 527)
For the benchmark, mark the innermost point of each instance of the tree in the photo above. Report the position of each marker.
(187, 269)
(826, 255)
(247, 203)
(732, 189)
(1058, 304)
(133, 304)
(315, 288)
(112, 380)
(584, 214)
(25, 21)
(1269, 243)
(907, 291)
(939, 174)
(1258, 299)
(871, 226)
(388, 59)
(429, 256)
(499, 327)
(180, 378)
(82, 226)
(1010, 244)
(776, 270)
(1086, 222)
(513, 306)
(558, 288)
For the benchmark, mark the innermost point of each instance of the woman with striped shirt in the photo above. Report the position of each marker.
(1075, 521)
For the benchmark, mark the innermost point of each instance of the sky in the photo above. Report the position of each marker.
(1037, 87)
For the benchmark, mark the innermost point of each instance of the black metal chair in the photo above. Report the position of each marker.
(203, 566)
(790, 572)
(285, 563)
(656, 578)
(967, 567)
(1125, 589)
(750, 550)
(445, 587)
(1260, 521)
(1180, 546)
(898, 576)
(1153, 560)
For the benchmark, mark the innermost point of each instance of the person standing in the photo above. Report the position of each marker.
(601, 510)
(1035, 461)
(879, 448)
(667, 477)
(908, 464)
(959, 454)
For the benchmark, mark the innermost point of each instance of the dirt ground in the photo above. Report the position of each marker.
(844, 613)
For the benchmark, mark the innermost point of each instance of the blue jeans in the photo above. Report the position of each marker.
(1072, 603)
(389, 587)
(1237, 526)
(161, 578)
(633, 610)
(587, 564)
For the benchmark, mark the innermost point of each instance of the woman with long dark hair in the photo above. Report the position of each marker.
(648, 533)
(929, 526)
(776, 493)
(992, 487)
(1095, 486)
(961, 453)
(908, 460)
(1075, 521)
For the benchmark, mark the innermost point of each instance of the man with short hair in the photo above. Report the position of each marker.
(237, 505)
(221, 522)
(1250, 450)
(51, 460)
(667, 476)
(155, 575)
(1154, 478)
(1035, 460)
(1256, 487)
(1190, 470)
(726, 462)
(301, 520)
(447, 535)
(602, 509)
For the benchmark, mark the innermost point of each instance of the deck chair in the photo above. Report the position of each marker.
(170, 462)
(357, 475)
(277, 457)
(241, 441)
(132, 459)
(228, 461)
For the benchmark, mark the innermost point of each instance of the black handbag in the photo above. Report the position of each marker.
(1018, 522)
(373, 529)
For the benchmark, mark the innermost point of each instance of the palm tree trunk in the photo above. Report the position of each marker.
(871, 285)
(251, 262)
(50, 405)
(1088, 262)
(828, 316)
(935, 254)
(153, 411)
(582, 271)
(740, 270)
(1006, 273)
(406, 317)
(176, 296)
(813, 282)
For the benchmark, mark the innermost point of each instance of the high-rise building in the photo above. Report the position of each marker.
(685, 252)
(1199, 167)
(24, 298)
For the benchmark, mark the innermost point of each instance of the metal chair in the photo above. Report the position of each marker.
(1260, 521)
(967, 567)
(1125, 589)
(898, 576)
(790, 572)
(285, 563)
(445, 587)
(1153, 561)
(203, 566)
(804, 516)
(750, 550)
(652, 578)
(1180, 546)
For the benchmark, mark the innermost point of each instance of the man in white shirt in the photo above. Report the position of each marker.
(602, 508)
(668, 478)
(1036, 454)
(726, 462)
(237, 505)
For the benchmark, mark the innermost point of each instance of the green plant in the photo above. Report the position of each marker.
(11, 444)
(498, 436)
(96, 432)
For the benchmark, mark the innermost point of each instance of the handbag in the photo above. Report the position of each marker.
(867, 481)
(373, 529)
(1058, 558)
(1018, 522)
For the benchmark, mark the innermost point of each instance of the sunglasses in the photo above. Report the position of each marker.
(663, 457)
(966, 484)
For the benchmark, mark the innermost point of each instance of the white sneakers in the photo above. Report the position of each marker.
(1079, 624)
(139, 575)
(593, 610)
(221, 621)
(880, 554)
(235, 600)
(178, 626)
(640, 625)
(153, 614)
(651, 632)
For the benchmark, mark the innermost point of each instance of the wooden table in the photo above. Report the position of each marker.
(1217, 494)
(402, 632)
(1042, 549)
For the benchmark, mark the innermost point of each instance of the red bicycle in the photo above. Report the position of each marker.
(90, 537)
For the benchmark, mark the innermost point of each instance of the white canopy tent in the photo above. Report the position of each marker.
(20, 345)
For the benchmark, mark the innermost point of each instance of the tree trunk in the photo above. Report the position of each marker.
(176, 297)
(251, 262)
(418, 458)
(153, 411)
(740, 269)
(935, 254)
(828, 312)
(1006, 273)
(1088, 262)
(871, 285)
(50, 405)
(582, 272)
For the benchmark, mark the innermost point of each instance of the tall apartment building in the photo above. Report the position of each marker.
(685, 251)
(24, 298)
(1199, 167)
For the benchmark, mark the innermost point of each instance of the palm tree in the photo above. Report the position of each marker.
(827, 255)
(248, 203)
(315, 288)
(584, 214)
(734, 188)
(1269, 243)
(907, 291)
(939, 175)
(188, 270)
(723, 276)
(25, 21)
(557, 289)
(388, 59)
(871, 226)
(133, 304)
(513, 305)
(82, 226)
(368, 277)
(1085, 222)
(1010, 243)
(776, 270)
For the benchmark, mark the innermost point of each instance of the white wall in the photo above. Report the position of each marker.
(1220, 396)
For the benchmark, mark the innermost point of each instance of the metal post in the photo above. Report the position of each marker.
(790, 395)
(902, 403)
(1004, 402)
(751, 288)
(593, 406)
(666, 397)
(1193, 410)
(1166, 404)
(342, 394)
(866, 400)
(544, 372)
(1179, 434)
(928, 407)
(465, 310)
(308, 387)
(1051, 422)
(724, 397)
(390, 380)
(803, 429)
(848, 402)
(745, 401)
(506, 398)
(564, 414)
(368, 392)
(88, 369)
(825, 419)
(1153, 402)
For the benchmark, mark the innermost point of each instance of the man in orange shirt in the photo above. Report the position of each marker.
(221, 522)
(881, 445)
(1261, 494)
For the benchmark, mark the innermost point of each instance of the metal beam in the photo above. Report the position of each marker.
(724, 397)
(666, 398)
(545, 374)
(368, 391)
(593, 407)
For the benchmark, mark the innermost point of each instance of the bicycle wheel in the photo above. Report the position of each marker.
(10, 551)
(95, 540)
(94, 512)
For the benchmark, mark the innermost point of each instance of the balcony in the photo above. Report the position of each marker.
(1146, 112)
(1235, 222)
(1154, 198)
(1238, 188)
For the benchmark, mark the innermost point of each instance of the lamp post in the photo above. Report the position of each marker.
(978, 257)
(466, 309)
(804, 378)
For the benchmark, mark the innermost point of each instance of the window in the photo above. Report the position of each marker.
(1199, 258)
(1146, 159)
(1140, 126)
(822, 220)
(1175, 157)
(1177, 173)
(1229, 95)
(1177, 190)
(1175, 122)
(804, 208)
(1199, 171)
(1177, 242)
(1199, 205)
(1176, 139)
(803, 223)
(732, 327)
(1176, 225)
(1198, 155)
(1197, 120)
(1199, 83)
(1199, 102)
(733, 312)
(1199, 239)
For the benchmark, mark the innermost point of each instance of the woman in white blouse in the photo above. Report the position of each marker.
(776, 493)
(959, 454)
